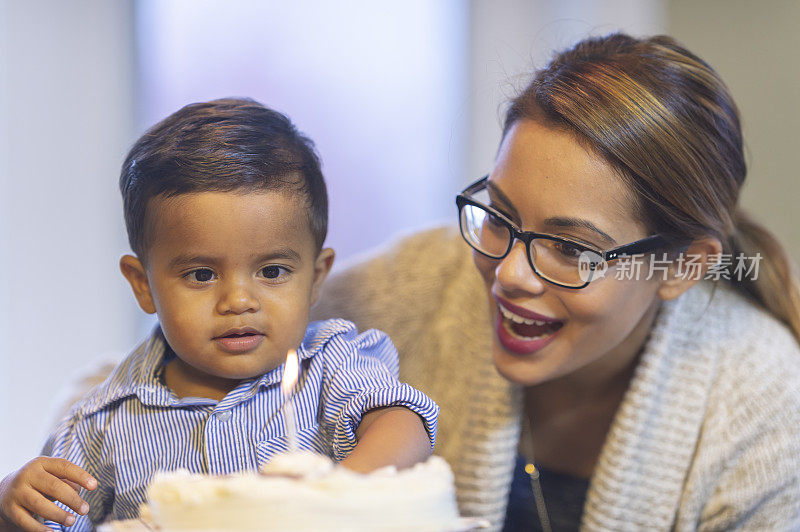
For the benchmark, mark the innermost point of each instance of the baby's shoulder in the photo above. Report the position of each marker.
(338, 343)
(339, 334)
(123, 380)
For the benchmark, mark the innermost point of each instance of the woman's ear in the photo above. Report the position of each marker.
(322, 267)
(134, 272)
(690, 266)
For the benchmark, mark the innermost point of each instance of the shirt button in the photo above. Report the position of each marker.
(224, 415)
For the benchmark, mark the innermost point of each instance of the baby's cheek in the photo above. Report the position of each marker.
(181, 330)
(296, 328)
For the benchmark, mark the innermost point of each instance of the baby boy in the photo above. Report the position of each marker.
(226, 212)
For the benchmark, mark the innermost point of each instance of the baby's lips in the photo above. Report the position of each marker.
(239, 331)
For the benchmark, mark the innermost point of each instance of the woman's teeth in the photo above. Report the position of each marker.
(526, 328)
(519, 319)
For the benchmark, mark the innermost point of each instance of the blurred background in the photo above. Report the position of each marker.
(403, 99)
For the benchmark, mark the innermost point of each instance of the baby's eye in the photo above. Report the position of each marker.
(273, 272)
(200, 275)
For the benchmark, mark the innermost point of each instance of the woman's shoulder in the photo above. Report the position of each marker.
(748, 336)
(404, 279)
(748, 450)
(717, 318)
(720, 352)
(755, 386)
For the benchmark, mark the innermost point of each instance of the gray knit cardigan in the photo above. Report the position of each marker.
(707, 436)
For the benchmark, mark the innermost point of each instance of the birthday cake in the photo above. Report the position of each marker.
(306, 492)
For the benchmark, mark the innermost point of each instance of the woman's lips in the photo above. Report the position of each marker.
(520, 345)
(523, 312)
(522, 331)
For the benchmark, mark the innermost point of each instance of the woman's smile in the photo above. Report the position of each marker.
(523, 331)
(544, 331)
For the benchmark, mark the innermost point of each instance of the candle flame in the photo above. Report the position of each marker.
(290, 371)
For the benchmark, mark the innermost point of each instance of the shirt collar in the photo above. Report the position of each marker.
(317, 335)
(140, 373)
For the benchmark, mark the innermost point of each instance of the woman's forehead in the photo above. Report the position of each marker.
(546, 173)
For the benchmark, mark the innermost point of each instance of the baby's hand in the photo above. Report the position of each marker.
(33, 488)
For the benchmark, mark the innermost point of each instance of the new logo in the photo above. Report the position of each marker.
(591, 266)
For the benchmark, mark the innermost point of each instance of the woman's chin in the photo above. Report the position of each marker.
(525, 371)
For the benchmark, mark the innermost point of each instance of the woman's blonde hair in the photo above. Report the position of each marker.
(664, 119)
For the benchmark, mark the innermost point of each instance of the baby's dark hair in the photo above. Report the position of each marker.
(226, 145)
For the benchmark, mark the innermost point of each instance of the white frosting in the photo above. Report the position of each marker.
(305, 492)
(306, 464)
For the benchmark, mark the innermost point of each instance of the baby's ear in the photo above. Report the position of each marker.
(133, 270)
(322, 267)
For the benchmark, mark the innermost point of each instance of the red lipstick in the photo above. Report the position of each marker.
(522, 331)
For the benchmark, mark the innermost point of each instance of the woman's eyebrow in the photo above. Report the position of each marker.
(555, 221)
(578, 223)
(500, 197)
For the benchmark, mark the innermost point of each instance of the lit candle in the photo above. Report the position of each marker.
(290, 374)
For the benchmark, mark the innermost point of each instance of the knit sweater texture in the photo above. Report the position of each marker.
(707, 436)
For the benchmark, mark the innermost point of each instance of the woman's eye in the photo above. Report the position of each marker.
(494, 220)
(568, 250)
(201, 275)
(273, 272)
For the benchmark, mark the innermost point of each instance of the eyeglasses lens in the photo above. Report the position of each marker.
(558, 261)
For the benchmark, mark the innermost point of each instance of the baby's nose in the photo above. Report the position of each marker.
(238, 298)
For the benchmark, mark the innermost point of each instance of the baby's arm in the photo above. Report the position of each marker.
(33, 488)
(371, 418)
(389, 436)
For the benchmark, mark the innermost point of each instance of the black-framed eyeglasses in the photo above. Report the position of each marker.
(558, 260)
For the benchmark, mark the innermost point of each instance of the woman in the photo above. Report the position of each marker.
(643, 331)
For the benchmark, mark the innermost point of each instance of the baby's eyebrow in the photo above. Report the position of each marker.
(185, 260)
(277, 254)
(282, 253)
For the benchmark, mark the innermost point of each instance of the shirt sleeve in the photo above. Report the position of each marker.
(69, 441)
(361, 375)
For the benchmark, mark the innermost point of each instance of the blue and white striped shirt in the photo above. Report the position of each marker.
(132, 425)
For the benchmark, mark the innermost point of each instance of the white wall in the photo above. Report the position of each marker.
(65, 121)
(509, 39)
(379, 86)
(754, 47)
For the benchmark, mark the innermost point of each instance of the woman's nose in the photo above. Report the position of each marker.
(237, 298)
(514, 273)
